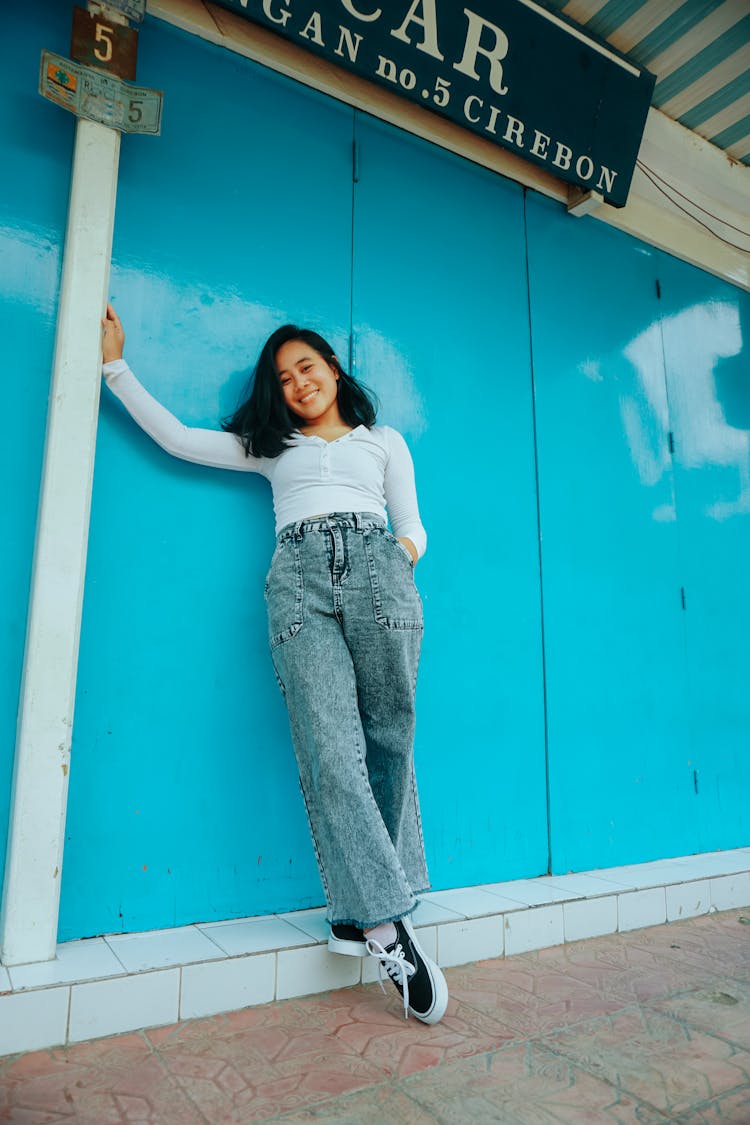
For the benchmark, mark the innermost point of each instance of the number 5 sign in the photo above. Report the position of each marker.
(100, 97)
(97, 41)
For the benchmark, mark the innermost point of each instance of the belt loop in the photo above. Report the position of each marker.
(358, 521)
(298, 530)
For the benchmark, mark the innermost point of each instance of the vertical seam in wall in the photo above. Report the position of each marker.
(539, 536)
(680, 559)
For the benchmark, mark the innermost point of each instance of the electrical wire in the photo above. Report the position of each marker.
(687, 199)
(690, 215)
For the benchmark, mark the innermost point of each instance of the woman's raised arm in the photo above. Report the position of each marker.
(215, 448)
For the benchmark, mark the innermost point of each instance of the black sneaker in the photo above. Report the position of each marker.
(348, 940)
(418, 979)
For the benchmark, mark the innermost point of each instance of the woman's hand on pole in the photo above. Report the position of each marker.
(113, 336)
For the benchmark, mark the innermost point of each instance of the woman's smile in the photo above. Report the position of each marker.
(309, 384)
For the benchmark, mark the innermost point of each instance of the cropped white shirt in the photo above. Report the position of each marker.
(363, 471)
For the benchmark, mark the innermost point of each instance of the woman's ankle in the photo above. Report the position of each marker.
(384, 934)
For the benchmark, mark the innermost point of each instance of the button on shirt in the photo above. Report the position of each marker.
(365, 470)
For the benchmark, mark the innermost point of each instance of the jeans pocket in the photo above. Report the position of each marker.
(403, 548)
(284, 594)
(395, 601)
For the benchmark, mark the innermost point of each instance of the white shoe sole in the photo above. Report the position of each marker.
(439, 983)
(348, 948)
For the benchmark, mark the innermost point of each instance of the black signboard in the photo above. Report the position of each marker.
(510, 70)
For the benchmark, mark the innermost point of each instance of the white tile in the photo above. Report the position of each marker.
(688, 899)
(370, 970)
(427, 938)
(529, 892)
(311, 922)
(313, 969)
(255, 935)
(469, 901)
(590, 917)
(32, 1020)
(75, 961)
(695, 867)
(582, 884)
(643, 875)
(730, 891)
(430, 913)
(715, 863)
(535, 928)
(108, 1007)
(158, 949)
(727, 863)
(641, 908)
(476, 939)
(224, 986)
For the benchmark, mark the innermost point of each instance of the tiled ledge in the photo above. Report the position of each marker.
(104, 986)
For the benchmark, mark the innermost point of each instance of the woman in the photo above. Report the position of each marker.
(345, 627)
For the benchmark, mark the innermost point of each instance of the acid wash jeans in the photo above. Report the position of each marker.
(345, 627)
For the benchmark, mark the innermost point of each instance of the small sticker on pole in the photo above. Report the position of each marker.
(100, 97)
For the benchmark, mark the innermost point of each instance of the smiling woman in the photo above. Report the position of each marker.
(298, 384)
(310, 388)
(344, 627)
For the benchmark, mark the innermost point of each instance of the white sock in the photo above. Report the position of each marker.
(385, 933)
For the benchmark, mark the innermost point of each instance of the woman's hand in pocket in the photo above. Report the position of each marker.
(409, 546)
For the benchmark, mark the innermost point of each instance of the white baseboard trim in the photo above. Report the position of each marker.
(125, 982)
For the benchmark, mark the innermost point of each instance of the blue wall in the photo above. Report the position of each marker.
(35, 152)
(572, 713)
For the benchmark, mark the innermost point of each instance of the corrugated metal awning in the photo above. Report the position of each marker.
(699, 51)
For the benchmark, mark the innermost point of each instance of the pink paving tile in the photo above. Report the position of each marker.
(381, 1105)
(732, 1109)
(297, 1084)
(526, 1085)
(401, 1047)
(723, 1009)
(715, 942)
(619, 969)
(548, 999)
(283, 1060)
(349, 1056)
(655, 1058)
(380, 1034)
(286, 1013)
(110, 1083)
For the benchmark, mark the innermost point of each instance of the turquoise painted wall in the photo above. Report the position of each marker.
(536, 375)
(36, 141)
(646, 609)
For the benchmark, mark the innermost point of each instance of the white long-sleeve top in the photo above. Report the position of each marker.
(363, 471)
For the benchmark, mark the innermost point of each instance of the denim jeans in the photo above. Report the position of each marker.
(345, 628)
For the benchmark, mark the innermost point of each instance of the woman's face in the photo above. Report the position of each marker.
(309, 384)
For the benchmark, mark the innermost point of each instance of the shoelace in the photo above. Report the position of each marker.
(396, 965)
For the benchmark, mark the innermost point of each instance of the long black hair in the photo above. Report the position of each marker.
(263, 421)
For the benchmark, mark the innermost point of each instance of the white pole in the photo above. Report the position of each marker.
(31, 894)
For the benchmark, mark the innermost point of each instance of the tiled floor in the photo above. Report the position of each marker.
(646, 1027)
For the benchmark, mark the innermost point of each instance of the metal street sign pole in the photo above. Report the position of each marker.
(105, 105)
